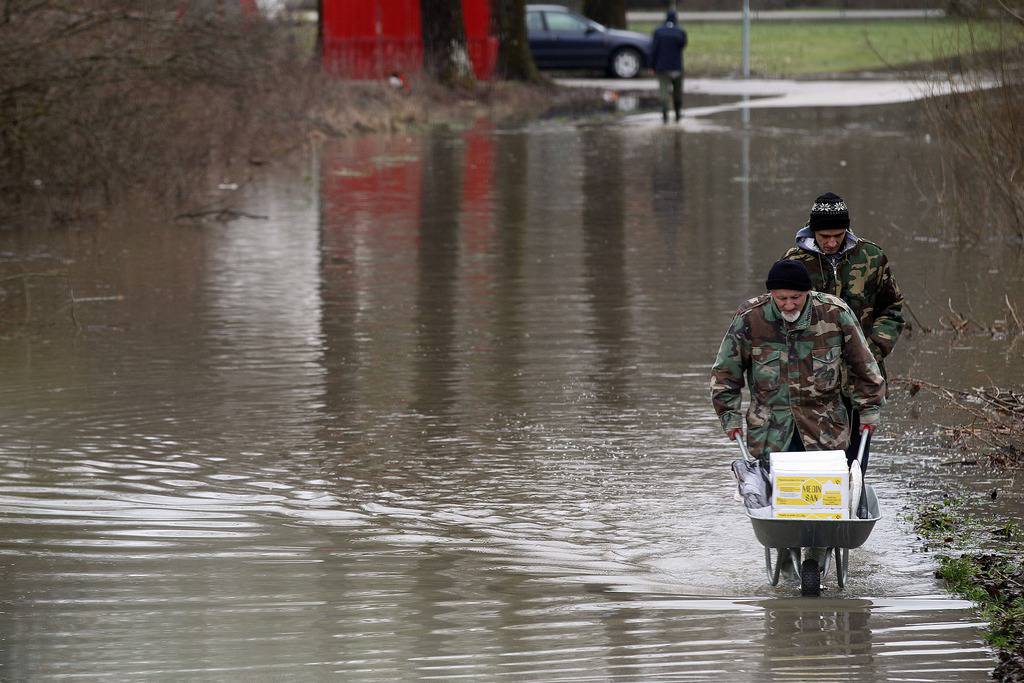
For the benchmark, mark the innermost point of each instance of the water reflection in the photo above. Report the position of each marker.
(434, 389)
(506, 389)
(828, 642)
(605, 282)
(451, 421)
(667, 192)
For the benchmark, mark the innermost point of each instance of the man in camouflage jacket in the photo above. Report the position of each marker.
(857, 271)
(852, 268)
(791, 347)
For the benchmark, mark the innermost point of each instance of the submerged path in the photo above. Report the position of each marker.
(778, 93)
(463, 432)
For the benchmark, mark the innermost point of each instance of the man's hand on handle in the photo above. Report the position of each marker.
(867, 428)
(734, 433)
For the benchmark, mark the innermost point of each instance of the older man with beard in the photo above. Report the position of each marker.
(791, 347)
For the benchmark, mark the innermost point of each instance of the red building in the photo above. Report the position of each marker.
(377, 38)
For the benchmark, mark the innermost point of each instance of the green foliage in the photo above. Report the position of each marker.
(960, 575)
(994, 580)
(994, 583)
(802, 48)
(942, 522)
(1011, 531)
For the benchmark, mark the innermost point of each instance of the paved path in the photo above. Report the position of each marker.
(793, 15)
(775, 94)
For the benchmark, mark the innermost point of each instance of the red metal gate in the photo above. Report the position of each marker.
(378, 38)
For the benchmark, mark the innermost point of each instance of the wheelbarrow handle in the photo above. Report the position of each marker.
(862, 459)
(743, 446)
(862, 450)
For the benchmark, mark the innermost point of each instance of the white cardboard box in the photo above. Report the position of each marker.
(810, 484)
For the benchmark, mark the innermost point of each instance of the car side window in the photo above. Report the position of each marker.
(534, 22)
(560, 21)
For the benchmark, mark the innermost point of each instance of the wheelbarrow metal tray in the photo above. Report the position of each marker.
(818, 533)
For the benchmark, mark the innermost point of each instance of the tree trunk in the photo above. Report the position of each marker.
(508, 22)
(445, 57)
(611, 13)
(11, 152)
(318, 50)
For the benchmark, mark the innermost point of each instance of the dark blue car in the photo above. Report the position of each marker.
(560, 39)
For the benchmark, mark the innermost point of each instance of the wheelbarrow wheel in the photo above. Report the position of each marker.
(842, 565)
(810, 578)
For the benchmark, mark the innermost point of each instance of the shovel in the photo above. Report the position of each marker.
(863, 453)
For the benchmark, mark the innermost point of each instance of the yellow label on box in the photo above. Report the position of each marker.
(790, 485)
(808, 515)
(811, 490)
(794, 502)
(795, 490)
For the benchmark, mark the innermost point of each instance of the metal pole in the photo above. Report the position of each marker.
(746, 38)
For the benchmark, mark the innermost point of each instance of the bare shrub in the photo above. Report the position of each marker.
(100, 96)
(982, 129)
(993, 418)
(120, 102)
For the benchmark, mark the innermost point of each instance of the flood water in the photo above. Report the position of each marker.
(444, 415)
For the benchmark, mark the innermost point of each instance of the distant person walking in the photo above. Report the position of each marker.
(669, 41)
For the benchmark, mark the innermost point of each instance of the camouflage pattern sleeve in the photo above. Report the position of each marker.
(868, 386)
(888, 305)
(727, 374)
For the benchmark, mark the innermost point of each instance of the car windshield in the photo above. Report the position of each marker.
(563, 21)
(534, 21)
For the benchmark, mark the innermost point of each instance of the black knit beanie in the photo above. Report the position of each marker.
(829, 213)
(786, 274)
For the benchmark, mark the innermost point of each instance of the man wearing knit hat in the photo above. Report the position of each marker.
(791, 347)
(855, 270)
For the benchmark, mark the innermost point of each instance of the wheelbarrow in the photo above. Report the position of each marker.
(836, 536)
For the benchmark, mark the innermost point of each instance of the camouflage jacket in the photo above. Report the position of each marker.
(793, 372)
(861, 277)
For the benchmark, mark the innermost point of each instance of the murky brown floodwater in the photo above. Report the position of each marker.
(447, 418)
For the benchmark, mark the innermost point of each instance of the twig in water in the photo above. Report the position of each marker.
(924, 328)
(70, 303)
(222, 215)
(1020, 327)
(1009, 11)
(961, 322)
(25, 276)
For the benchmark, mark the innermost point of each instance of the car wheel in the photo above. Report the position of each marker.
(626, 63)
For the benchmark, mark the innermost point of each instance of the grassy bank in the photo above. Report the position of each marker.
(993, 579)
(787, 49)
(979, 548)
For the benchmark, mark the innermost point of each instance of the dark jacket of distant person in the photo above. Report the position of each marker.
(668, 44)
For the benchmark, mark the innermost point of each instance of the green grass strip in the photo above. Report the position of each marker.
(786, 49)
(994, 583)
(994, 580)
